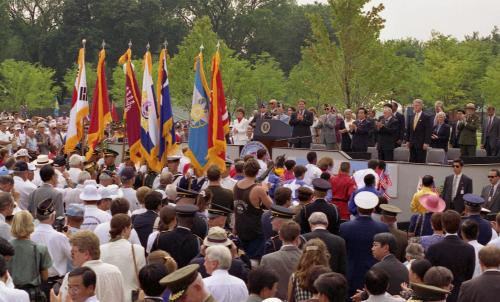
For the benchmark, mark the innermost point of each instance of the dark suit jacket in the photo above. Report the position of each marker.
(422, 133)
(180, 243)
(257, 117)
(485, 230)
(319, 205)
(358, 235)
(401, 119)
(303, 127)
(143, 225)
(455, 135)
(397, 272)
(388, 134)
(457, 256)
(494, 204)
(492, 136)
(464, 187)
(361, 137)
(335, 245)
(401, 241)
(238, 268)
(443, 137)
(483, 288)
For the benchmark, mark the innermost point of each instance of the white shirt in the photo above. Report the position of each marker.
(24, 188)
(240, 131)
(455, 182)
(72, 195)
(226, 288)
(495, 242)
(92, 299)
(61, 181)
(109, 285)
(386, 297)
(263, 167)
(312, 172)
(94, 216)
(119, 254)
(73, 174)
(6, 136)
(11, 294)
(58, 246)
(5, 229)
(359, 177)
(130, 195)
(102, 232)
(227, 183)
(151, 241)
(139, 211)
(477, 246)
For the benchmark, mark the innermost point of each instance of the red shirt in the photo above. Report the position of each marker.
(342, 187)
(288, 175)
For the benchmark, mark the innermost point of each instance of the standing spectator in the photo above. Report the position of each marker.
(54, 138)
(438, 108)
(21, 184)
(7, 293)
(263, 114)
(387, 128)
(389, 213)
(490, 135)
(75, 167)
(346, 134)
(42, 138)
(469, 231)
(455, 187)
(240, 125)
(301, 121)
(93, 215)
(468, 138)
(453, 253)
(47, 191)
(358, 235)
(149, 278)
(331, 287)
(82, 284)
(473, 205)
(437, 234)
(486, 287)
(369, 186)
(361, 130)
(143, 223)
(126, 256)
(187, 282)
(455, 129)
(440, 136)
(31, 261)
(6, 209)
(490, 193)
(326, 123)
(359, 176)
(401, 123)
(425, 202)
(5, 136)
(222, 286)
(281, 116)
(342, 188)
(289, 166)
(262, 284)
(118, 206)
(377, 285)
(419, 130)
(31, 142)
(314, 130)
(127, 177)
(312, 171)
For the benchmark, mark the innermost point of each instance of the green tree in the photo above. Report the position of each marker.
(91, 75)
(23, 82)
(267, 80)
(490, 83)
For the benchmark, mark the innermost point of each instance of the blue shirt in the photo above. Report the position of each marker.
(352, 206)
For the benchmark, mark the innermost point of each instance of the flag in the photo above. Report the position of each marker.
(198, 126)
(149, 117)
(131, 111)
(56, 107)
(167, 130)
(114, 112)
(79, 106)
(218, 118)
(100, 116)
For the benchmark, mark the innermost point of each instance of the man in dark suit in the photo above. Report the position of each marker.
(301, 121)
(383, 249)
(180, 243)
(491, 132)
(490, 193)
(455, 186)
(319, 204)
(455, 132)
(285, 261)
(473, 205)
(387, 134)
(143, 223)
(361, 130)
(358, 235)
(389, 213)
(453, 253)
(419, 130)
(263, 114)
(485, 287)
(401, 120)
(440, 133)
(335, 244)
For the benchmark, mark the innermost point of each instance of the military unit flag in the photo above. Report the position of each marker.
(167, 131)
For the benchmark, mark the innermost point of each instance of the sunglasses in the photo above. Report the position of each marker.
(489, 176)
(456, 166)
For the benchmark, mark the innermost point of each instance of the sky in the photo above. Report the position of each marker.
(417, 18)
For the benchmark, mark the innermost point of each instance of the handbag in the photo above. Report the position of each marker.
(135, 292)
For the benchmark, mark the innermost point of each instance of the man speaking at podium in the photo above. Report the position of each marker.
(301, 121)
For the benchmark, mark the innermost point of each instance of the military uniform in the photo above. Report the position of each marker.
(179, 281)
(275, 243)
(474, 202)
(468, 129)
(401, 237)
(422, 292)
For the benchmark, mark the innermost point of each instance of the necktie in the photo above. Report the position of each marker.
(415, 120)
(455, 184)
(489, 125)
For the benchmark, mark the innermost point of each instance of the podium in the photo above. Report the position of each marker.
(272, 133)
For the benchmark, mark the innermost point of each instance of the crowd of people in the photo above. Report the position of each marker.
(98, 229)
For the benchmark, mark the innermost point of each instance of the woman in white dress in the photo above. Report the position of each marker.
(240, 125)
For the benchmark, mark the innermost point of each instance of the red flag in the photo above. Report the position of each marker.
(100, 116)
(218, 118)
(114, 113)
(132, 113)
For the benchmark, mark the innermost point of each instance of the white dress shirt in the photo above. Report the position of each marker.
(359, 177)
(11, 294)
(119, 254)
(58, 246)
(24, 188)
(263, 167)
(5, 229)
(93, 217)
(477, 246)
(61, 181)
(386, 297)
(240, 131)
(73, 174)
(102, 232)
(226, 288)
(72, 195)
(312, 172)
(151, 241)
(130, 195)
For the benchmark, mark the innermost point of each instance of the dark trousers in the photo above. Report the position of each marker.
(301, 144)
(490, 150)
(386, 155)
(417, 155)
(359, 149)
(467, 150)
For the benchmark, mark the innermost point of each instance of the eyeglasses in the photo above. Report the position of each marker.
(489, 176)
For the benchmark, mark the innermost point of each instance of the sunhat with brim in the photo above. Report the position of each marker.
(90, 192)
(432, 203)
(42, 160)
(21, 153)
(366, 200)
(216, 236)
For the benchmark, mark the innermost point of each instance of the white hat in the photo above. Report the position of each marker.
(366, 200)
(90, 182)
(90, 192)
(111, 191)
(76, 160)
(21, 152)
(31, 167)
(42, 160)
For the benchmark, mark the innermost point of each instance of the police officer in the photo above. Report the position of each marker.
(473, 204)
(279, 215)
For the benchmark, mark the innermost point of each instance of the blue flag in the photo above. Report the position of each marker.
(198, 127)
(167, 129)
